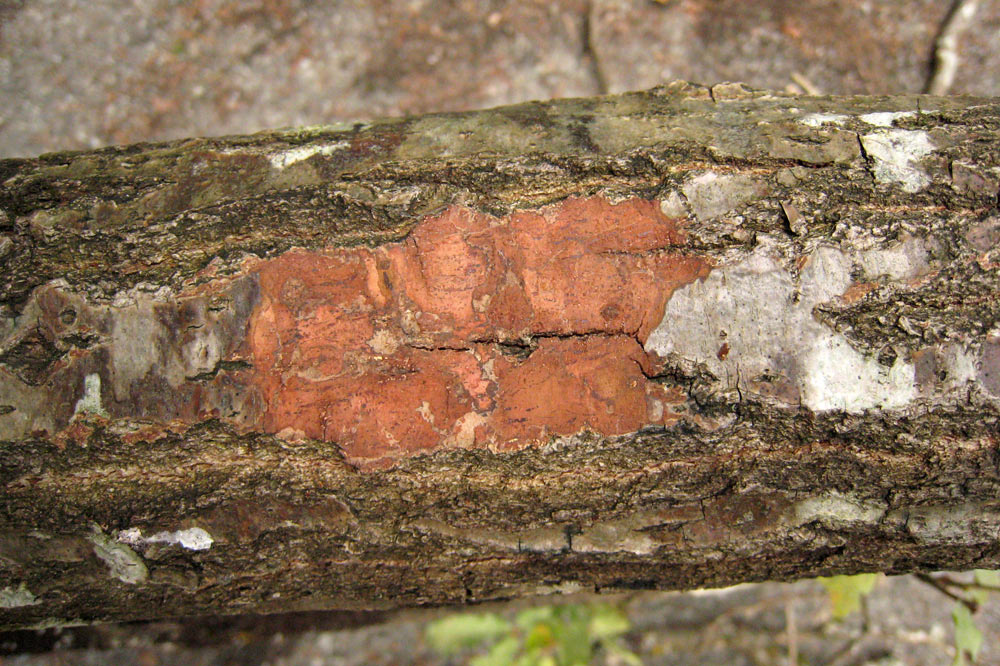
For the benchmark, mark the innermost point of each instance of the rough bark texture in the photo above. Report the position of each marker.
(680, 338)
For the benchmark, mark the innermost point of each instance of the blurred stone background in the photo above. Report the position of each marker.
(78, 74)
(903, 622)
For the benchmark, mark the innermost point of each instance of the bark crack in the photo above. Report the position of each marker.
(219, 367)
(524, 346)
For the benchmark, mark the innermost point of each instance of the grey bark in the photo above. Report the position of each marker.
(895, 197)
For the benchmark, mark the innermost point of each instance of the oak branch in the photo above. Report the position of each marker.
(679, 338)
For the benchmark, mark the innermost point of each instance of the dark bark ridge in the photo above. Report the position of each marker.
(844, 420)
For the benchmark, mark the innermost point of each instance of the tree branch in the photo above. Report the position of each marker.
(474, 356)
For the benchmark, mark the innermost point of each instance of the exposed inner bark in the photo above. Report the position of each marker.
(398, 349)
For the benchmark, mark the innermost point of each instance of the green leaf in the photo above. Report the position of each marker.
(501, 654)
(464, 630)
(987, 577)
(529, 617)
(607, 622)
(574, 645)
(846, 592)
(539, 637)
(544, 635)
(984, 577)
(968, 638)
(530, 658)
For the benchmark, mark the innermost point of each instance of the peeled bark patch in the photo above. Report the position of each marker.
(474, 331)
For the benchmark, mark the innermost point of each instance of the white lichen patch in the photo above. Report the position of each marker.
(192, 538)
(903, 261)
(142, 292)
(11, 597)
(90, 402)
(673, 205)
(833, 509)
(711, 195)
(820, 119)
(620, 536)
(885, 118)
(896, 155)
(960, 364)
(610, 536)
(966, 523)
(123, 562)
(383, 342)
(764, 317)
(838, 377)
(289, 157)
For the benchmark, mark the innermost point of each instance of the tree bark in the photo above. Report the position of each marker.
(680, 338)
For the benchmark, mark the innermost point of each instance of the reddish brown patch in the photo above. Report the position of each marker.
(393, 350)
(78, 431)
(857, 291)
(371, 144)
(82, 427)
